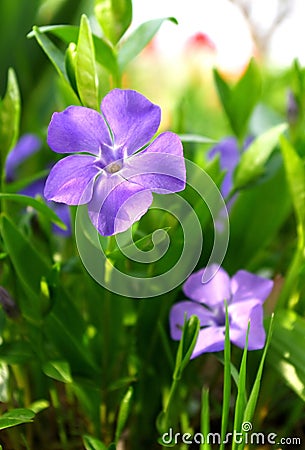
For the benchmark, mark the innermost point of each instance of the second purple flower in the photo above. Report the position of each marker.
(107, 171)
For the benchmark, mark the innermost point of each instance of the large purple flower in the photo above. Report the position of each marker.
(244, 293)
(26, 146)
(107, 171)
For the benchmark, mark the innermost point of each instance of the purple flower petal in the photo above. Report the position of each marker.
(35, 188)
(71, 180)
(210, 339)
(117, 204)
(78, 129)
(229, 157)
(247, 286)
(133, 119)
(186, 309)
(212, 293)
(160, 167)
(240, 313)
(25, 147)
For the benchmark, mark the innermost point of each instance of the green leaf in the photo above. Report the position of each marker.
(17, 352)
(59, 370)
(253, 160)
(36, 204)
(85, 67)
(55, 55)
(64, 324)
(69, 33)
(16, 417)
(9, 116)
(17, 246)
(196, 138)
(295, 173)
(286, 354)
(227, 381)
(57, 58)
(92, 443)
(130, 248)
(186, 345)
(256, 216)
(123, 413)
(70, 62)
(114, 17)
(241, 392)
(205, 418)
(39, 405)
(239, 101)
(251, 404)
(138, 40)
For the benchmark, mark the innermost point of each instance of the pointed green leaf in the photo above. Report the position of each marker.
(241, 392)
(251, 404)
(16, 417)
(295, 173)
(92, 443)
(253, 160)
(57, 58)
(69, 33)
(123, 413)
(138, 40)
(70, 62)
(55, 55)
(205, 418)
(239, 101)
(114, 17)
(186, 345)
(286, 354)
(85, 67)
(58, 370)
(9, 115)
(36, 204)
(196, 138)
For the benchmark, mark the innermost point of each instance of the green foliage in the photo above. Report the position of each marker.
(9, 115)
(253, 161)
(15, 417)
(239, 101)
(85, 67)
(138, 40)
(114, 17)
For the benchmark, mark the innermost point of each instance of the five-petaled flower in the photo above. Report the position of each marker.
(244, 294)
(111, 172)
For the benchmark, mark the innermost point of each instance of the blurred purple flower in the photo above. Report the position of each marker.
(244, 293)
(107, 172)
(229, 158)
(27, 145)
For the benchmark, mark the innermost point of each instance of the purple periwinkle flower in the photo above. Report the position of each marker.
(26, 146)
(109, 170)
(244, 294)
(229, 154)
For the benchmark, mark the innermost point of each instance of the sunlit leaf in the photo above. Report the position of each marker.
(114, 17)
(138, 40)
(9, 115)
(85, 67)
